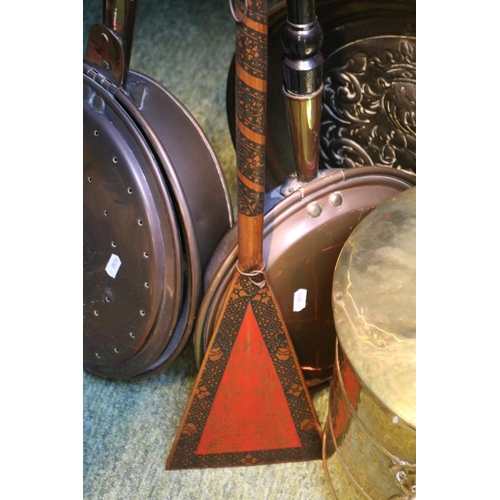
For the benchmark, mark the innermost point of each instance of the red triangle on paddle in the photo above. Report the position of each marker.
(250, 411)
(249, 404)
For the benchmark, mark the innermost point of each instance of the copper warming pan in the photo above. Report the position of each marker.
(156, 206)
(369, 101)
(303, 235)
(368, 52)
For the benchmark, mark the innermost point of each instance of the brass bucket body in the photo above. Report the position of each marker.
(369, 443)
(368, 451)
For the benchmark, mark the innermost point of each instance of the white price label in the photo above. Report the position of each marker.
(113, 265)
(299, 299)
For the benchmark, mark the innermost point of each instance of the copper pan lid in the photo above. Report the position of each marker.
(303, 236)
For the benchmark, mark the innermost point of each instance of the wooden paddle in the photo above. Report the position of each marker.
(250, 404)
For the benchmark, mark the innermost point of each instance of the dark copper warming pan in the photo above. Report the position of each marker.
(369, 102)
(156, 206)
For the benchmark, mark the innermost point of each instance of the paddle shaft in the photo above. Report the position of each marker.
(251, 104)
(240, 410)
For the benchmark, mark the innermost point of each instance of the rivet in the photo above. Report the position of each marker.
(98, 103)
(87, 92)
(104, 37)
(314, 209)
(335, 199)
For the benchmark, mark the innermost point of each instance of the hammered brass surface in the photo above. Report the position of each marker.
(374, 303)
(368, 451)
(369, 446)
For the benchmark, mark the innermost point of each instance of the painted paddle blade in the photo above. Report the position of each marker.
(250, 404)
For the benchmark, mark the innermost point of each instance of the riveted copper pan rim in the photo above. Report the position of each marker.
(220, 267)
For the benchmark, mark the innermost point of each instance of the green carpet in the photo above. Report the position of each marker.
(129, 427)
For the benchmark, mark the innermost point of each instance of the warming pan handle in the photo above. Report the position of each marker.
(109, 45)
(303, 86)
(119, 16)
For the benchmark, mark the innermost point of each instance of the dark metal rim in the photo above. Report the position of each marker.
(161, 331)
(200, 188)
(194, 276)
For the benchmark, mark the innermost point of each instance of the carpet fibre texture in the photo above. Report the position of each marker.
(129, 427)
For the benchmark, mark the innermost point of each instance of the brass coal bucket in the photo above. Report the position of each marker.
(369, 444)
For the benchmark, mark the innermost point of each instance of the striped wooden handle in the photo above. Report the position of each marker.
(251, 104)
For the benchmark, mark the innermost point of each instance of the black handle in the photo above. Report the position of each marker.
(302, 39)
(303, 87)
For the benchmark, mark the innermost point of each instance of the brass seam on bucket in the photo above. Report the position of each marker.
(325, 467)
(372, 438)
(344, 466)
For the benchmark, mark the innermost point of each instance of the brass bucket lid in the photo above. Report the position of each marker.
(374, 303)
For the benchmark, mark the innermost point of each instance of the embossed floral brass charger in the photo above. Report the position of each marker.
(369, 101)
(369, 444)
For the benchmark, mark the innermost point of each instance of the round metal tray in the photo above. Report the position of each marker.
(369, 106)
